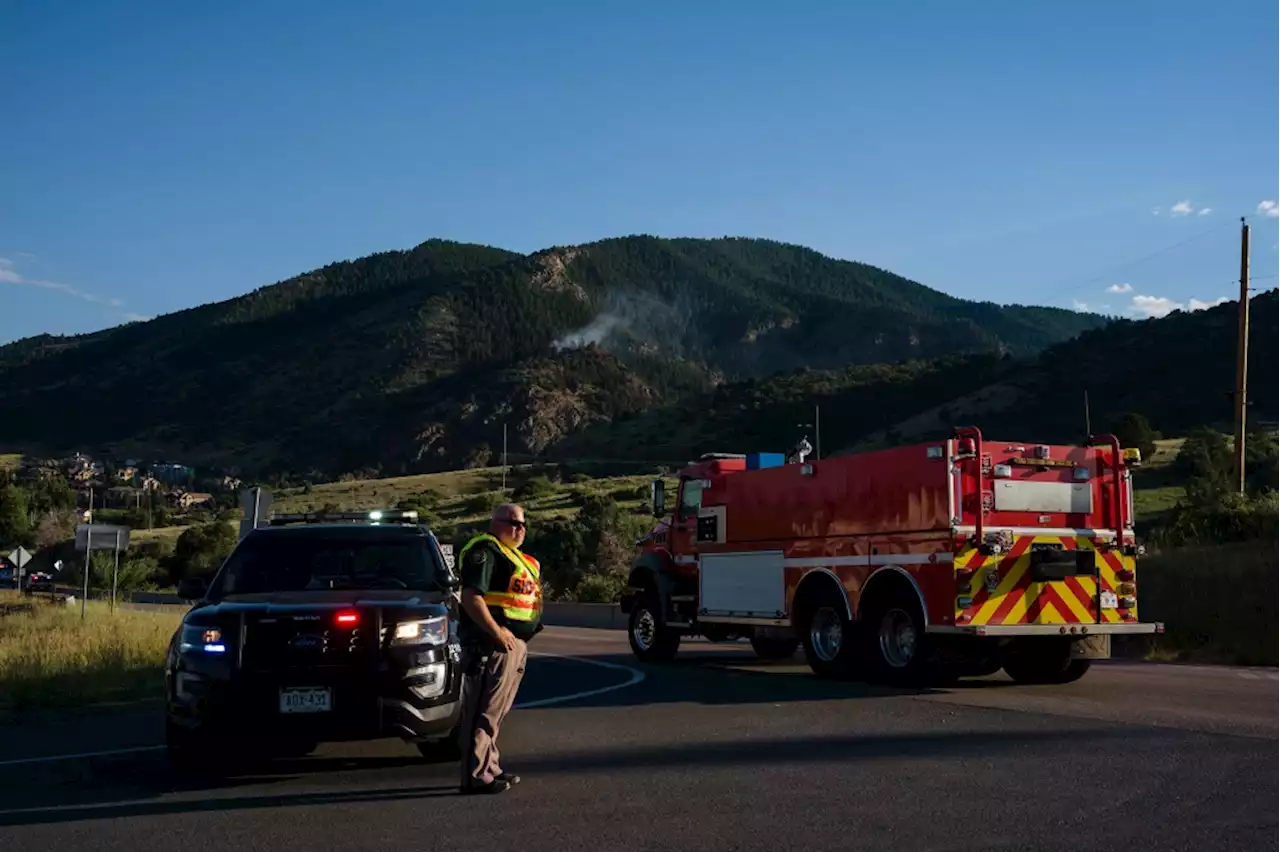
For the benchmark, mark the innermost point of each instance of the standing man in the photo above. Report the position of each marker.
(501, 611)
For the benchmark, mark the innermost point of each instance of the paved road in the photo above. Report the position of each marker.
(719, 752)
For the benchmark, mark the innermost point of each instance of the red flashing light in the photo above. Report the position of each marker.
(347, 619)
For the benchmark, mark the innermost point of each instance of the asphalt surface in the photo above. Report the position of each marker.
(716, 751)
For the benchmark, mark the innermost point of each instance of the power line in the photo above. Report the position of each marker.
(1111, 272)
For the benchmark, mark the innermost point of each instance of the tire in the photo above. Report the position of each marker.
(774, 648)
(1045, 662)
(894, 642)
(651, 640)
(829, 637)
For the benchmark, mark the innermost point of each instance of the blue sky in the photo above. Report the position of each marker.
(159, 155)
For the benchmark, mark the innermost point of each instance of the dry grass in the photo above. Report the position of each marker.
(452, 496)
(50, 658)
(356, 495)
(164, 534)
(10, 461)
(1218, 603)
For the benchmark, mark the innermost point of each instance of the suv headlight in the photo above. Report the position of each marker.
(427, 631)
(197, 638)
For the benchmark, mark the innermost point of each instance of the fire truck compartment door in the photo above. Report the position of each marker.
(1073, 498)
(742, 584)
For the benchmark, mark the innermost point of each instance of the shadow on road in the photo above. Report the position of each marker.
(712, 678)
(152, 779)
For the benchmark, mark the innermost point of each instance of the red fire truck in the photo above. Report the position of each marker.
(949, 558)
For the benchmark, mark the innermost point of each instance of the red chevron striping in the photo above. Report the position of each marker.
(1073, 583)
(1011, 599)
(1051, 594)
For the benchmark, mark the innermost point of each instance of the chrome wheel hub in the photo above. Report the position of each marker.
(644, 630)
(826, 634)
(897, 638)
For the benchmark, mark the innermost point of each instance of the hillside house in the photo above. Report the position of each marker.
(186, 500)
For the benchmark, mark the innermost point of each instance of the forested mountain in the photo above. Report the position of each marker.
(413, 360)
(1178, 371)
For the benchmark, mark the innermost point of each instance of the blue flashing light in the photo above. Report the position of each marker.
(215, 649)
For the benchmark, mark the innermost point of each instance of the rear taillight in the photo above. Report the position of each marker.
(347, 618)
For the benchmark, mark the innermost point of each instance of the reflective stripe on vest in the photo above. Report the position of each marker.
(522, 599)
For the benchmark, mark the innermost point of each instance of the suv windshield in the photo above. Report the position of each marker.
(333, 560)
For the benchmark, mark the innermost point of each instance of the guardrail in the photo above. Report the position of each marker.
(601, 616)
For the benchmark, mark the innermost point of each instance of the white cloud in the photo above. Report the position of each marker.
(1269, 209)
(1120, 288)
(1160, 306)
(1155, 211)
(1205, 211)
(10, 275)
(1077, 305)
(1182, 208)
(1197, 305)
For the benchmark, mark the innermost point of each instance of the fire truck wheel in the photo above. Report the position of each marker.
(830, 646)
(651, 640)
(894, 637)
(774, 647)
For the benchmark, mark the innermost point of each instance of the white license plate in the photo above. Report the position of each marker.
(306, 700)
(1109, 600)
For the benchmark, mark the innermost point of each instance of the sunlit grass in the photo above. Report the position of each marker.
(50, 658)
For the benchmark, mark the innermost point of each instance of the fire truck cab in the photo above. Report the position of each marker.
(955, 557)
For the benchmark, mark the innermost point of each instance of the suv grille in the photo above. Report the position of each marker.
(299, 643)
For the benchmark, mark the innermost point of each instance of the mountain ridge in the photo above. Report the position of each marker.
(408, 360)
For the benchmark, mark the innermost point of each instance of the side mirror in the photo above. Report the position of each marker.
(658, 490)
(192, 588)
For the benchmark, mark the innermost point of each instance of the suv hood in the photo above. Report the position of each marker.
(283, 603)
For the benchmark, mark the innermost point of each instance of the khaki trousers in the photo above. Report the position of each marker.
(488, 693)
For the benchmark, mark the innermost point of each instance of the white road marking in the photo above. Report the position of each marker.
(635, 677)
(80, 756)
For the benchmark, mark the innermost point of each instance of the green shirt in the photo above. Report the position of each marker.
(485, 569)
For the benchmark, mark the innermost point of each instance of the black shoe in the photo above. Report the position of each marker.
(509, 778)
(497, 785)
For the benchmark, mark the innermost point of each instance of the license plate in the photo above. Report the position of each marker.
(306, 700)
(1109, 600)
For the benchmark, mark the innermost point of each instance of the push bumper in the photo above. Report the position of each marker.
(359, 708)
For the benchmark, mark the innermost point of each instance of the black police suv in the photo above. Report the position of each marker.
(318, 628)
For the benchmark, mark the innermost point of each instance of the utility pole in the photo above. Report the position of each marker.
(1242, 356)
(817, 434)
(504, 457)
(1088, 426)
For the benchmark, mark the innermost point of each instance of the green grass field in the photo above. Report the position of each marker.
(50, 658)
(458, 497)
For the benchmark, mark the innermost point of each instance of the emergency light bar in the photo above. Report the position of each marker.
(377, 516)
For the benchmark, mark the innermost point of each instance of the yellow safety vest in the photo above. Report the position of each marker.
(522, 599)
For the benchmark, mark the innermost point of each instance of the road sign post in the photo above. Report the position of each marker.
(255, 503)
(91, 537)
(19, 557)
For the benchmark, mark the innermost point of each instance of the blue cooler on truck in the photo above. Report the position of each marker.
(759, 461)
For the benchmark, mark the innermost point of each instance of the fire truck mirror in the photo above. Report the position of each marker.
(658, 489)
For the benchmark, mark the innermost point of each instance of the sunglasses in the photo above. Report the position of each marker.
(520, 525)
